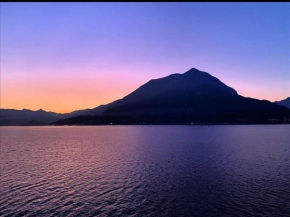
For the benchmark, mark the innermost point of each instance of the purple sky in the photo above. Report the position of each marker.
(67, 56)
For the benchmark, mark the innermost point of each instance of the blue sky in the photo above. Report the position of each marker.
(68, 56)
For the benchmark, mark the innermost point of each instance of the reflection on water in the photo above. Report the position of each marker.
(145, 171)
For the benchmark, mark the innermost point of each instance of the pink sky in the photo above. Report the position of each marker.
(65, 57)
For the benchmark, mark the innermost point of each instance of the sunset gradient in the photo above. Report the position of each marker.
(63, 57)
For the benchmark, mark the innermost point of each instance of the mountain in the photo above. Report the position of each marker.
(36, 123)
(13, 117)
(26, 117)
(284, 102)
(145, 91)
(191, 97)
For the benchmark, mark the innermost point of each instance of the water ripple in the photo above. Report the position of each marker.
(145, 171)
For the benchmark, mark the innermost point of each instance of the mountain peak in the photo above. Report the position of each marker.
(195, 72)
(192, 70)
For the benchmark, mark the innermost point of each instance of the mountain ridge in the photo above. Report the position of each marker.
(194, 95)
(284, 102)
(191, 97)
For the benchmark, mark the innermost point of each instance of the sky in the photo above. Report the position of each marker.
(68, 56)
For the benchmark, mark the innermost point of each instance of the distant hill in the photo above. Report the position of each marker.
(13, 117)
(35, 123)
(284, 102)
(194, 97)
(191, 97)
(26, 117)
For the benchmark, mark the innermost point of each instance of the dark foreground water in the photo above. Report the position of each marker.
(145, 171)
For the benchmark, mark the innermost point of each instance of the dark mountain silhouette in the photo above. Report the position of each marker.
(35, 123)
(192, 97)
(284, 102)
(13, 117)
(26, 117)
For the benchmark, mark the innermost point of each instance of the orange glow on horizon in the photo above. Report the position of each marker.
(64, 97)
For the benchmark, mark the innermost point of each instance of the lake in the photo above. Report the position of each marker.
(145, 171)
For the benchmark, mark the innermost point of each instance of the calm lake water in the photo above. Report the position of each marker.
(145, 171)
